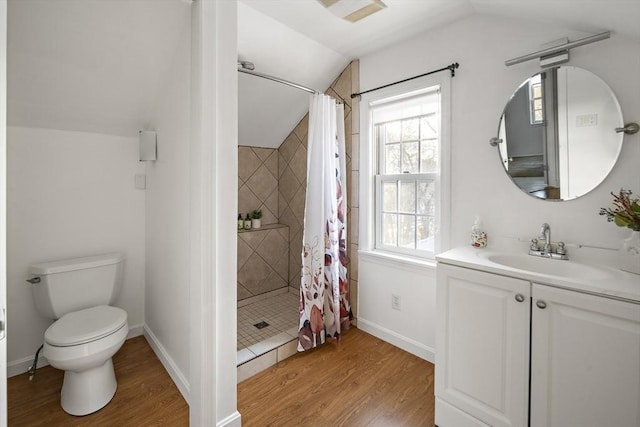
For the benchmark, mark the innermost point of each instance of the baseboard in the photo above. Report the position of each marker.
(400, 341)
(447, 415)
(233, 420)
(21, 366)
(135, 331)
(176, 375)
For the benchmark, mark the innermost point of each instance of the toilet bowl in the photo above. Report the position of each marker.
(82, 343)
(78, 294)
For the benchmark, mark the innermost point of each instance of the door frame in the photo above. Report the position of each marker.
(213, 205)
(3, 209)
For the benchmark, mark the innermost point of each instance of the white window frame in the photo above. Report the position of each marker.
(532, 100)
(369, 167)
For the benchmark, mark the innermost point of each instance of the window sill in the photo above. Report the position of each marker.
(395, 260)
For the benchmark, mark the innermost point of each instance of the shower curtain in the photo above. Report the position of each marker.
(324, 289)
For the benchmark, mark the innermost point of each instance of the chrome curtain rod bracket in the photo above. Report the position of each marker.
(241, 69)
(452, 68)
(557, 49)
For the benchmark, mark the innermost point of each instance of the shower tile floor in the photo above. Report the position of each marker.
(280, 312)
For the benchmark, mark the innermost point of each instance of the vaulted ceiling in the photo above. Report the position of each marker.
(99, 65)
(89, 65)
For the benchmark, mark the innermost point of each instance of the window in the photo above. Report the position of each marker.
(406, 141)
(535, 100)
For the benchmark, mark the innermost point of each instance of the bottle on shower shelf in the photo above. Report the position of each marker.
(247, 223)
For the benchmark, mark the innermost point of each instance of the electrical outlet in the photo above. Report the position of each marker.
(395, 302)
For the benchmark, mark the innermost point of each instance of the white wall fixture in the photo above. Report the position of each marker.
(550, 52)
(148, 145)
(353, 10)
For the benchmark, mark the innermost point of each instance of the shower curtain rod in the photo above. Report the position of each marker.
(279, 80)
(451, 68)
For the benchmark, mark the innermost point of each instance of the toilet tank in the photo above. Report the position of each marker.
(60, 287)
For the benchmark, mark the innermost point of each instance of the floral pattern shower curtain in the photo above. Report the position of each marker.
(324, 288)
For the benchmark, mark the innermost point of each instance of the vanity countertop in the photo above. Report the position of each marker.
(606, 281)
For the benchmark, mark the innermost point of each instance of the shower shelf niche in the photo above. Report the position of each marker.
(264, 227)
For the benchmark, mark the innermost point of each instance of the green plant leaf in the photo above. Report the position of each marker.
(621, 221)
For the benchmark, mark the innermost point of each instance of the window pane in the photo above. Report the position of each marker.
(538, 115)
(410, 129)
(392, 159)
(410, 157)
(429, 127)
(407, 231)
(429, 156)
(425, 233)
(407, 197)
(537, 91)
(537, 104)
(392, 130)
(389, 197)
(389, 229)
(426, 201)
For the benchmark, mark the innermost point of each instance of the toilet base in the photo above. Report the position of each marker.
(88, 391)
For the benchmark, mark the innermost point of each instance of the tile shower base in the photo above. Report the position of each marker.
(262, 346)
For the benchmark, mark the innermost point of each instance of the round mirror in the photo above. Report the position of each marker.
(558, 133)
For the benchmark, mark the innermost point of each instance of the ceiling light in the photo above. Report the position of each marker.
(353, 10)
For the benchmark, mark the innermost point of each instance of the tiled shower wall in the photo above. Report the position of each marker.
(263, 260)
(292, 160)
(263, 254)
(275, 181)
(258, 182)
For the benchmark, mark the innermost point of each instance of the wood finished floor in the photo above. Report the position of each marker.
(362, 382)
(146, 396)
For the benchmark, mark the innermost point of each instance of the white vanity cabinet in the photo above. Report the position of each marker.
(585, 360)
(482, 348)
(511, 352)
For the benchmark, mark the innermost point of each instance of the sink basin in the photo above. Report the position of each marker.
(539, 265)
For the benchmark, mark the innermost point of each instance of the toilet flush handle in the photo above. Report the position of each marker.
(34, 280)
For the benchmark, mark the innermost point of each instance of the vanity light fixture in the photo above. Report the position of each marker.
(549, 54)
(555, 59)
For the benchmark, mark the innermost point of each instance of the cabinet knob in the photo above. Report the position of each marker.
(541, 304)
(519, 297)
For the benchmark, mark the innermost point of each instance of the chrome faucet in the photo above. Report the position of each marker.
(545, 233)
(545, 249)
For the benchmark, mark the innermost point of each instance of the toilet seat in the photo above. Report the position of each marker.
(85, 326)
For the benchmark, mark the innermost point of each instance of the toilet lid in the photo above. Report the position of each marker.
(86, 325)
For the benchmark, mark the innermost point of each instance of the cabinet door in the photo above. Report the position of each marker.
(482, 345)
(585, 361)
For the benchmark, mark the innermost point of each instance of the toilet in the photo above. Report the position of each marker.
(77, 293)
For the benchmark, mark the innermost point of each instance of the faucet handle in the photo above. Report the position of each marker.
(561, 250)
(534, 245)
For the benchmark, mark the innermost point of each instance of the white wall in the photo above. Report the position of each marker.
(69, 194)
(410, 328)
(479, 184)
(167, 222)
(589, 151)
